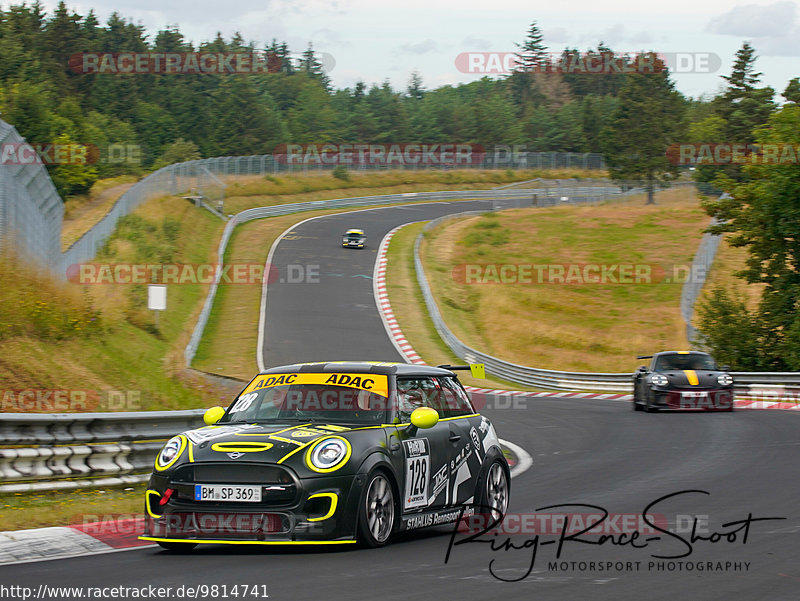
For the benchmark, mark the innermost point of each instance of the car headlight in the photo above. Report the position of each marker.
(724, 379)
(170, 451)
(659, 380)
(328, 455)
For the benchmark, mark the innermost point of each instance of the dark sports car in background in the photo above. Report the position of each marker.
(354, 239)
(682, 380)
(328, 453)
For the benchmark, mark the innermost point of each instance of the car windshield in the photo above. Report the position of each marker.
(680, 362)
(355, 236)
(309, 402)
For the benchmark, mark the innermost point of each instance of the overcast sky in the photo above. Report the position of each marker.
(373, 41)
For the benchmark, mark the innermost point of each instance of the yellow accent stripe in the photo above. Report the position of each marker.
(290, 428)
(147, 494)
(248, 542)
(691, 375)
(241, 447)
(273, 437)
(334, 501)
(191, 451)
(297, 450)
(333, 428)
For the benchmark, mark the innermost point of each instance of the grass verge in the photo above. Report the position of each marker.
(575, 327)
(39, 510)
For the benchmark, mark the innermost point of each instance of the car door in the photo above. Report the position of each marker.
(426, 451)
(465, 440)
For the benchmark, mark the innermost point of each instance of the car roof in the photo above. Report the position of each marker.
(354, 231)
(662, 353)
(372, 367)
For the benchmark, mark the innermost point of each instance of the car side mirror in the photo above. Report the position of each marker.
(725, 367)
(213, 415)
(424, 418)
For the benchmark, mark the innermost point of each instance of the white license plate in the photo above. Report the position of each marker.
(224, 492)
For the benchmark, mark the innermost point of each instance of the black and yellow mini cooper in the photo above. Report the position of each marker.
(354, 238)
(328, 453)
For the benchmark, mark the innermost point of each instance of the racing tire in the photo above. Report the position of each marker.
(177, 547)
(493, 490)
(636, 406)
(377, 513)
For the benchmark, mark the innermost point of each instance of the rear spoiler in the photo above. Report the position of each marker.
(477, 370)
(644, 356)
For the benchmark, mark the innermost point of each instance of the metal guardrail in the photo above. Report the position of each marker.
(747, 382)
(541, 196)
(76, 450)
(31, 211)
(40, 452)
(529, 376)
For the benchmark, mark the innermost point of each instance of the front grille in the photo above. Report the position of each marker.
(227, 473)
(278, 487)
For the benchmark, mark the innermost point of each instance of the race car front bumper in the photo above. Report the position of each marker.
(322, 510)
(694, 400)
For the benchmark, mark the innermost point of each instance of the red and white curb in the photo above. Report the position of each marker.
(406, 350)
(385, 309)
(59, 542)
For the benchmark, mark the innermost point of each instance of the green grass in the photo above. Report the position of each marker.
(38, 510)
(580, 327)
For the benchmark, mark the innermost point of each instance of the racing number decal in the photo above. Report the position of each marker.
(418, 467)
(244, 402)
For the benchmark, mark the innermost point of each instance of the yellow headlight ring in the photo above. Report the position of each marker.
(161, 468)
(327, 470)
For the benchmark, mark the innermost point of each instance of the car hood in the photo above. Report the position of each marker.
(688, 378)
(261, 442)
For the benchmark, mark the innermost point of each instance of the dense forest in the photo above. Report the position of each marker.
(633, 117)
(177, 117)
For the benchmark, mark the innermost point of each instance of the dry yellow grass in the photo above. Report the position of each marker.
(39, 510)
(586, 327)
(83, 212)
(727, 262)
(409, 309)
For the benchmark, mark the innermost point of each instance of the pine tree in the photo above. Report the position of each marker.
(415, 89)
(648, 119)
(313, 68)
(534, 53)
(792, 91)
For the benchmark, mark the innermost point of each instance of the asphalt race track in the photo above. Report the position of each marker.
(333, 316)
(585, 452)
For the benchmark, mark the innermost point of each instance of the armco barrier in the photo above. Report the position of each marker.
(759, 384)
(547, 195)
(40, 452)
(75, 450)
